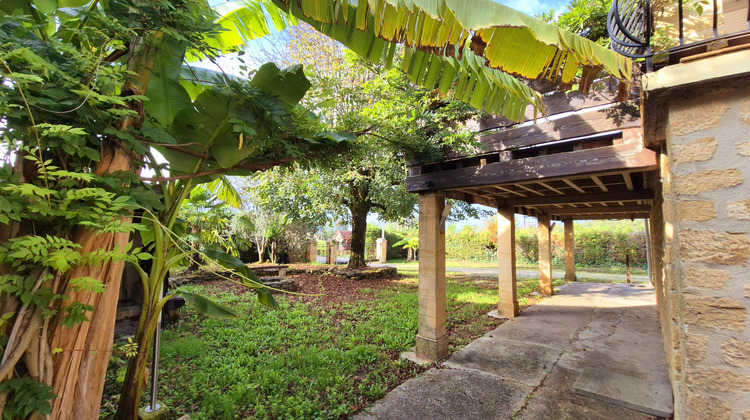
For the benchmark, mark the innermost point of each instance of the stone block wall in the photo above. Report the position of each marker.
(702, 233)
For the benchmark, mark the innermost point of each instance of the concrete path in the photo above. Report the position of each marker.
(593, 351)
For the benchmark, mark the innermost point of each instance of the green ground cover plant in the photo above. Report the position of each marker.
(313, 358)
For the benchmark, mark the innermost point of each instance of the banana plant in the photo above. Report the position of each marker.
(474, 51)
(231, 128)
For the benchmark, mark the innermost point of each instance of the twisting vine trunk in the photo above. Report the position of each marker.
(86, 347)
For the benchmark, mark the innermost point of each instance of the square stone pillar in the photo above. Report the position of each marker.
(381, 250)
(432, 341)
(331, 253)
(312, 251)
(545, 255)
(570, 260)
(507, 304)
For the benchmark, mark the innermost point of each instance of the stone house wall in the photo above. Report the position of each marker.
(701, 237)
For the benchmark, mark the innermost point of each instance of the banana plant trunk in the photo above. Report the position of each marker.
(135, 377)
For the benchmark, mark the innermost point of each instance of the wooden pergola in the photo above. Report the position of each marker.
(585, 161)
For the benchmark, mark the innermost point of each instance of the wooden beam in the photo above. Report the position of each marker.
(601, 210)
(628, 180)
(501, 188)
(470, 198)
(574, 186)
(556, 103)
(523, 187)
(572, 126)
(602, 159)
(614, 216)
(600, 183)
(551, 188)
(610, 197)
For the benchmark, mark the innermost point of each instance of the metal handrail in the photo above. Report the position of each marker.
(621, 28)
(630, 24)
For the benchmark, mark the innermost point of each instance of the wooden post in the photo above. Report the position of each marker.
(545, 255)
(431, 341)
(570, 260)
(507, 304)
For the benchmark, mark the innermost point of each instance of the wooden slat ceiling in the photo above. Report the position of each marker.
(575, 198)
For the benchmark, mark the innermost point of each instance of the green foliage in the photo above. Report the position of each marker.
(26, 396)
(309, 360)
(587, 18)
(469, 244)
(206, 306)
(527, 246)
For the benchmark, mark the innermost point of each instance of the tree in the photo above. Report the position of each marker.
(67, 102)
(394, 121)
(68, 175)
(585, 18)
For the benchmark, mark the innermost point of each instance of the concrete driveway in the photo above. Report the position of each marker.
(594, 351)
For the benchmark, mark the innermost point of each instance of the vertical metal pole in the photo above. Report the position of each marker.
(155, 362)
(682, 36)
(716, 20)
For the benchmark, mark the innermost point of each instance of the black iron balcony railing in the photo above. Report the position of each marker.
(631, 27)
(629, 24)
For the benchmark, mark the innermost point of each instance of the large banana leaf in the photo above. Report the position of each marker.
(245, 20)
(467, 48)
(511, 41)
(467, 78)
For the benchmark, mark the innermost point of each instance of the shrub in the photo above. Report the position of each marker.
(469, 244)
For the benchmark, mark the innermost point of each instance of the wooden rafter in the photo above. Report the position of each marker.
(600, 183)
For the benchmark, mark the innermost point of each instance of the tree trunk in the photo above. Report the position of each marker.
(274, 252)
(261, 251)
(81, 367)
(359, 233)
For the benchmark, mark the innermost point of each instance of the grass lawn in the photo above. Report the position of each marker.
(322, 356)
(485, 264)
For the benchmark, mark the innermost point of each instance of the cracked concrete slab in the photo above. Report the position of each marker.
(530, 364)
(450, 394)
(515, 360)
(625, 390)
(557, 400)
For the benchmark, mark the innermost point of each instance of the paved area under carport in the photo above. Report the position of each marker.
(593, 351)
